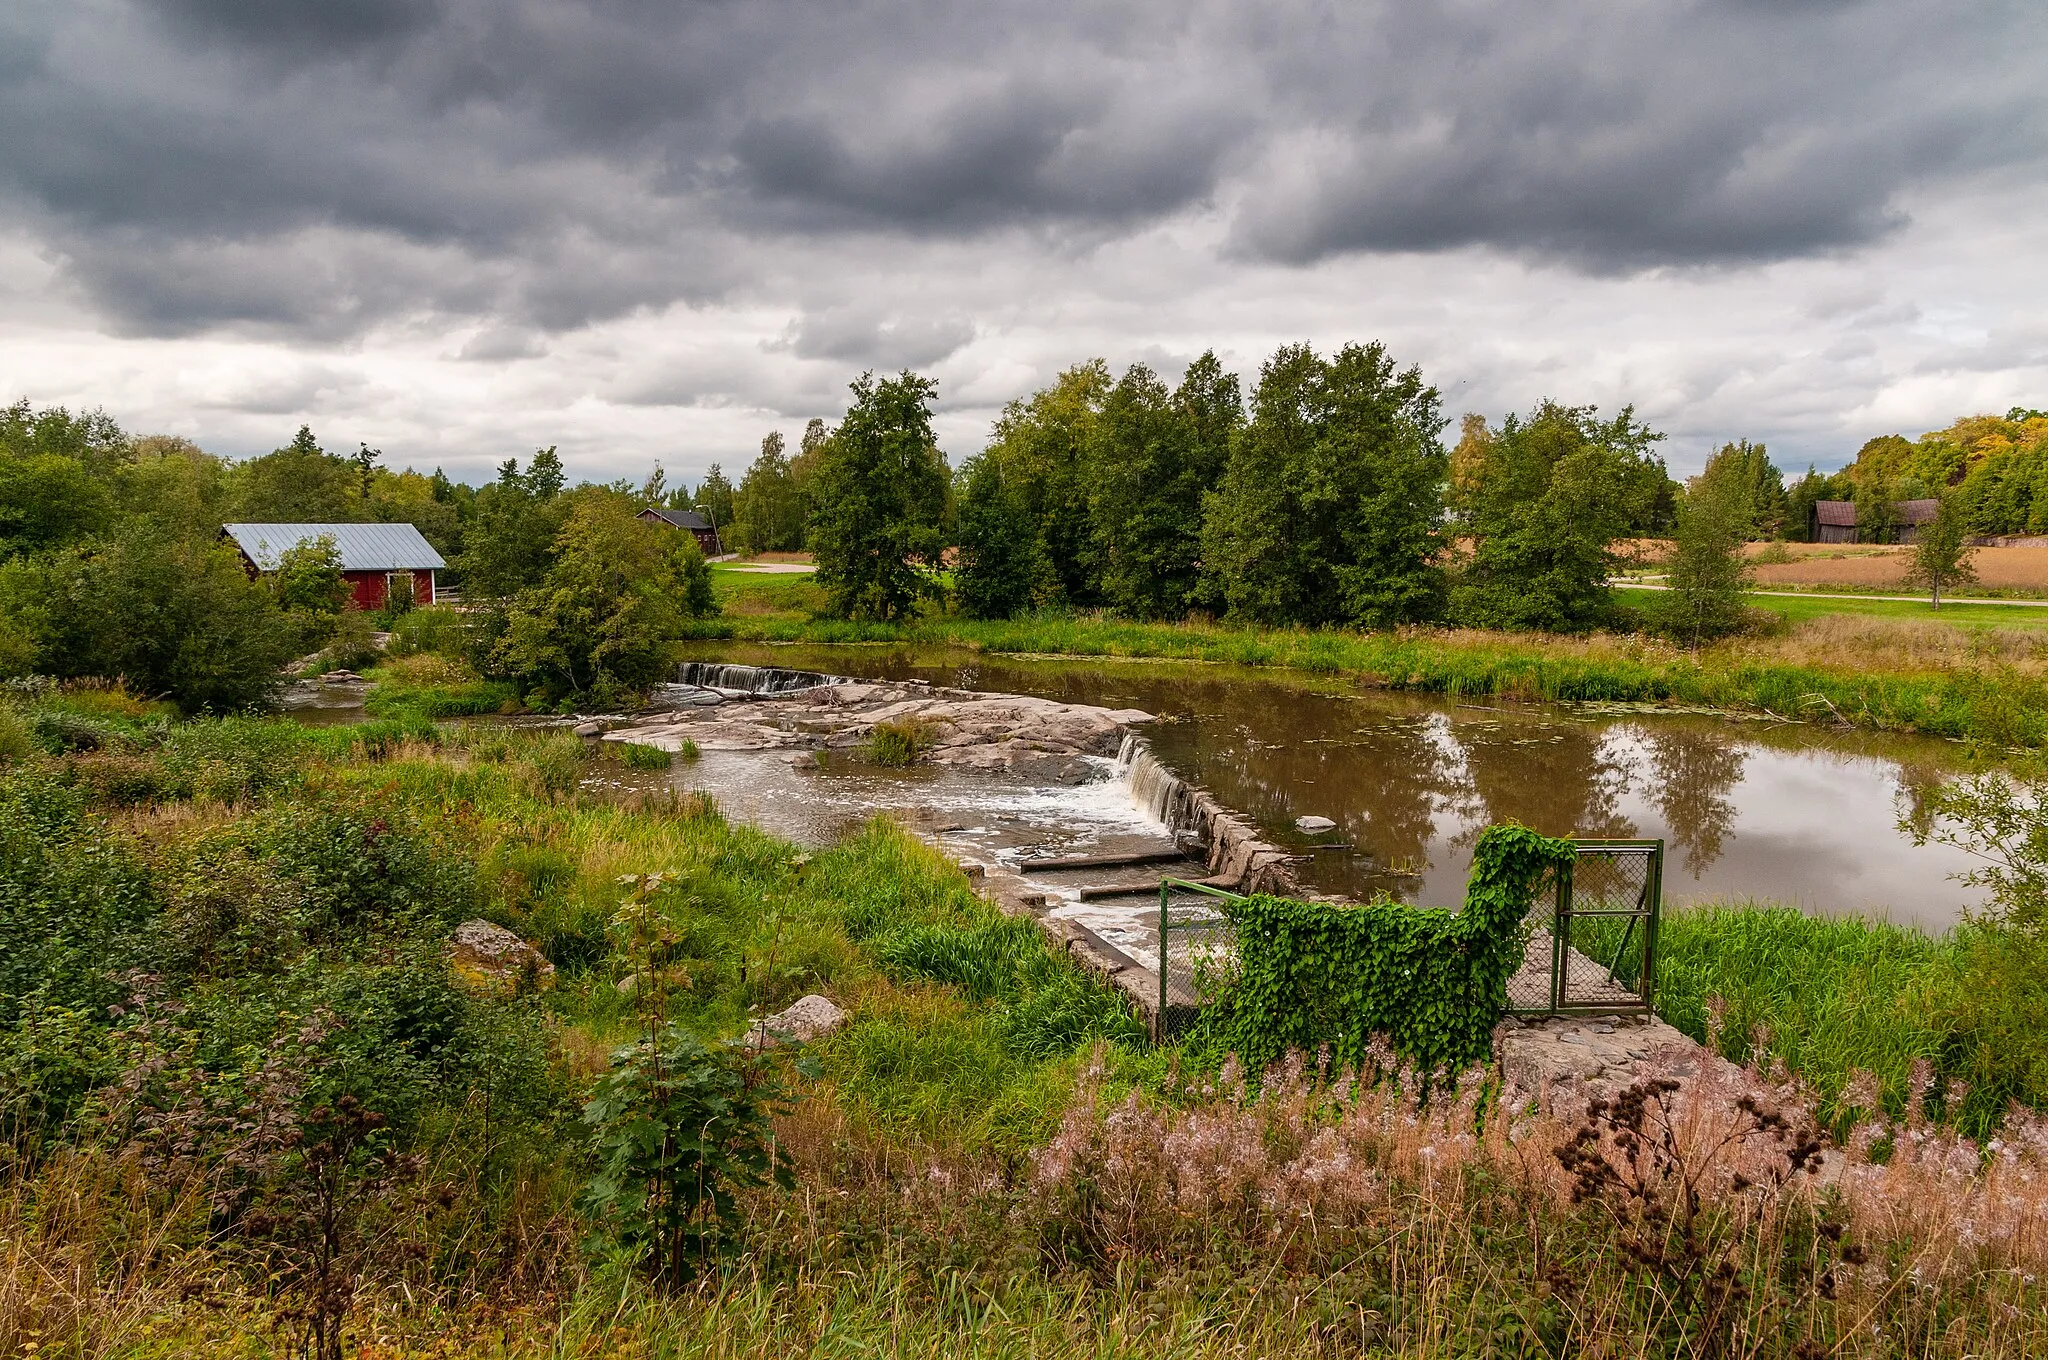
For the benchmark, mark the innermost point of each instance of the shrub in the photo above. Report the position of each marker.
(437, 630)
(352, 645)
(679, 1128)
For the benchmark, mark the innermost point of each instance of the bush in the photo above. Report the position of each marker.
(352, 646)
(437, 630)
(679, 1128)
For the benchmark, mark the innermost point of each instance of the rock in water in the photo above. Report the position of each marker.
(1314, 825)
(592, 728)
(812, 1017)
(491, 958)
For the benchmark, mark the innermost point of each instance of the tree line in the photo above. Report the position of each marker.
(1326, 496)
(112, 565)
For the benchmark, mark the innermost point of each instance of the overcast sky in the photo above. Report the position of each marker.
(641, 229)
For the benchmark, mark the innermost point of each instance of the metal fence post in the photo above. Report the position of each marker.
(1561, 938)
(1159, 1016)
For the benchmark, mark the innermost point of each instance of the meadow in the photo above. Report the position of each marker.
(215, 931)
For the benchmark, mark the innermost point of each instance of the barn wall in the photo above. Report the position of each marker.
(367, 587)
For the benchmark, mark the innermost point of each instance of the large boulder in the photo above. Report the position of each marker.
(811, 1017)
(488, 957)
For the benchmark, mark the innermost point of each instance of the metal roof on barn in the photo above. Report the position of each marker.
(362, 547)
(682, 519)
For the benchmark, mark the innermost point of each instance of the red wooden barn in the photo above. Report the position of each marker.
(377, 560)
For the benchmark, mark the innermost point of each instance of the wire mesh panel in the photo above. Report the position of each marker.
(1593, 944)
(1195, 940)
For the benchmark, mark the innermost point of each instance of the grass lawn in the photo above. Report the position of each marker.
(1802, 608)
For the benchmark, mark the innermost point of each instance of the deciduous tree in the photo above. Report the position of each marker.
(1552, 495)
(880, 501)
(1941, 553)
(1332, 507)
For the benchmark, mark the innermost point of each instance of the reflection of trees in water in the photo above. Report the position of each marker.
(1566, 783)
(1379, 776)
(1918, 780)
(1692, 775)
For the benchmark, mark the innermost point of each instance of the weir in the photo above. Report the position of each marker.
(751, 679)
(1229, 846)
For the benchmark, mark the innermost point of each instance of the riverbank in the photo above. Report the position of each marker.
(1934, 679)
(989, 1160)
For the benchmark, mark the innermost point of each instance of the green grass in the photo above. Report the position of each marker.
(1997, 705)
(1834, 996)
(1802, 607)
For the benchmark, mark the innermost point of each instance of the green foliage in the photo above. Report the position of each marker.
(714, 498)
(1151, 457)
(1544, 505)
(436, 630)
(1999, 818)
(1306, 976)
(679, 1128)
(1708, 577)
(174, 617)
(302, 483)
(642, 757)
(898, 743)
(1941, 553)
(517, 525)
(1040, 447)
(1331, 510)
(769, 508)
(351, 643)
(1743, 477)
(881, 500)
(604, 619)
(1001, 571)
(308, 577)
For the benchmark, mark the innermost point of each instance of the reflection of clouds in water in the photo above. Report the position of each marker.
(1785, 812)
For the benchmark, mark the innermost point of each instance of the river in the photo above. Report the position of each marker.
(1782, 812)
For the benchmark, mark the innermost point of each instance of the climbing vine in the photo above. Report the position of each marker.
(1312, 974)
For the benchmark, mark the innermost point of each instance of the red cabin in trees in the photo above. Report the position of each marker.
(377, 560)
(690, 522)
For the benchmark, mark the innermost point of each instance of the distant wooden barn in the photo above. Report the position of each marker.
(1835, 521)
(377, 560)
(702, 529)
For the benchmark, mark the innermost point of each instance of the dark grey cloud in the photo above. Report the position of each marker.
(857, 335)
(320, 166)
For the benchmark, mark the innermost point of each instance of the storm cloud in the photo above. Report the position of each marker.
(319, 172)
(557, 163)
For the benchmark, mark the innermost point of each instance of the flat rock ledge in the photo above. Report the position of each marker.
(1544, 1058)
(1042, 738)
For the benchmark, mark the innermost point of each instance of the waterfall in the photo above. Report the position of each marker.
(1163, 795)
(750, 679)
(1200, 825)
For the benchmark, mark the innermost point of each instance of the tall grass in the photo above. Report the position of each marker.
(1832, 998)
(1930, 678)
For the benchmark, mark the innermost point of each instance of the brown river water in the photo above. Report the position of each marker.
(1749, 809)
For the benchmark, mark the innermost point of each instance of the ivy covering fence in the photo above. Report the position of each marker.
(1314, 975)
